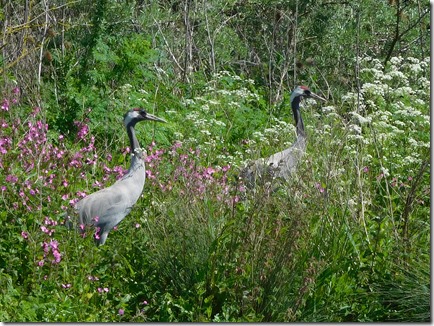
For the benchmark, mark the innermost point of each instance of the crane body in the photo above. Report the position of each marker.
(282, 164)
(107, 207)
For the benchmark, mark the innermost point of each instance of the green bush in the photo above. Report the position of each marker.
(345, 239)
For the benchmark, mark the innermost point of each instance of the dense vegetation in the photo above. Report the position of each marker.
(346, 239)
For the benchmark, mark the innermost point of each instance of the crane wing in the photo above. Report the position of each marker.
(108, 202)
(286, 161)
(280, 164)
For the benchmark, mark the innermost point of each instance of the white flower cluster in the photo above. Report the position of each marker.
(394, 113)
(275, 135)
(361, 119)
(209, 114)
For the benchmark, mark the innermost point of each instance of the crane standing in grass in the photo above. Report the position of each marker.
(283, 163)
(107, 207)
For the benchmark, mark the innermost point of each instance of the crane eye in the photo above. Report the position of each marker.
(307, 92)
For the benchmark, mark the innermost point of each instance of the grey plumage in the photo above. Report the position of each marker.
(107, 207)
(283, 163)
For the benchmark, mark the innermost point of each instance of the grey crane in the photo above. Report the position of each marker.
(107, 207)
(283, 163)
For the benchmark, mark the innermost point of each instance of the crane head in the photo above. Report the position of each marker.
(135, 115)
(304, 91)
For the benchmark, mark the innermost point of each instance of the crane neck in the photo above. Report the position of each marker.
(295, 104)
(134, 143)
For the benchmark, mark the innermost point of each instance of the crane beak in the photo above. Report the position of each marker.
(154, 118)
(317, 97)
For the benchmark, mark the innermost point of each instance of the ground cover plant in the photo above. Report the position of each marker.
(347, 238)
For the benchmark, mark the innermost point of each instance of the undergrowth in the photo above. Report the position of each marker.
(346, 239)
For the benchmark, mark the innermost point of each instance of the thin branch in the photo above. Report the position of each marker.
(399, 35)
(13, 29)
(210, 40)
(188, 41)
(420, 29)
(396, 37)
(168, 47)
(295, 44)
(41, 52)
(410, 198)
(414, 24)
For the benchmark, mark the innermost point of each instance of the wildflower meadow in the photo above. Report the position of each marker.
(345, 239)
(349, 228)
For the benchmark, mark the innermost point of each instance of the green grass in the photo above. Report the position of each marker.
(346, 239)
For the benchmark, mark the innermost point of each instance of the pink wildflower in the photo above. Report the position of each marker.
(54, 244)
(5, 105)
(96, 235)
(57, 256)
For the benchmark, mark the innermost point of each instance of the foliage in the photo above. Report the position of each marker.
(373, 182)
(347, 238)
